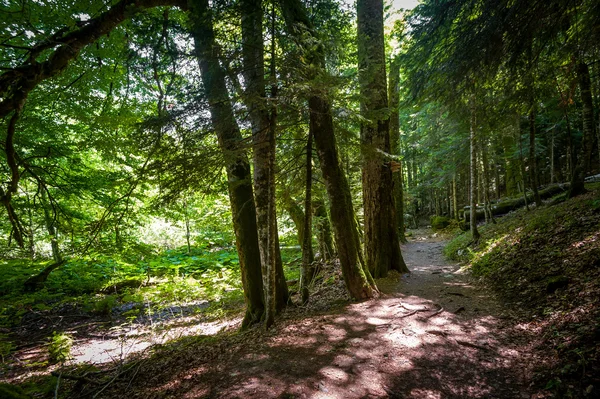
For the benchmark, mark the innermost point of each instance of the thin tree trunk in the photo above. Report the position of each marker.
(532, 158)
(308, 270)
(50, 222)
(395, 147)
(584, 157)
(234, 153)
(454, 198)
(486, 184)
(521, 162)
(473, 143)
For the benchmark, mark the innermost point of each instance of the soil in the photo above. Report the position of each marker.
(432, 333)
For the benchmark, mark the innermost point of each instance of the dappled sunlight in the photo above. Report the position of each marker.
(426, 336)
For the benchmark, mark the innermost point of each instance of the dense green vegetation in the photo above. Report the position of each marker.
(218, 156)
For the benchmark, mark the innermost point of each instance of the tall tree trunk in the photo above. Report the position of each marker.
(308, 270)
(239, 178)
(382, 247)
(486, 184)
(263, 138)
(359, 282)
(282, 295)
(533, 170)
(521, 162)
(473, 195)
(454, 198)
(582, 164)
(395, 147)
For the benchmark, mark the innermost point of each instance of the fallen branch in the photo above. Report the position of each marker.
(408, 314)
(471, 345)
(440, 310)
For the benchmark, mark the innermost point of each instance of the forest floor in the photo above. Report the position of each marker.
(432, 333)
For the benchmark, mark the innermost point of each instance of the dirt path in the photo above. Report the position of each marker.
(432, 334)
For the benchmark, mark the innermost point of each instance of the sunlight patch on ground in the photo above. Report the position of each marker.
(123, 342)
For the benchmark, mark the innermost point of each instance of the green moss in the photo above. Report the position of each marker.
(439, 222)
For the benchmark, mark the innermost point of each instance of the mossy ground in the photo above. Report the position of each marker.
(545, 264)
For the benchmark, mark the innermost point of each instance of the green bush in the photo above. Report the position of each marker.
(439, 222)
(60, 347)
(458, 248)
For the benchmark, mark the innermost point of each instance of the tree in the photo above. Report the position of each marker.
(398, 177)
(358, 280)
(382, 247)
(234, 152)
(263, 121)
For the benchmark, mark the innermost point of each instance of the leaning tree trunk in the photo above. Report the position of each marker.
(473, 166)
(358, 280)
(584, 157)
(239, 178)
(395, 147)
(382, 247)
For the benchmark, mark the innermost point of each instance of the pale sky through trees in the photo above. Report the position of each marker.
(406, 4)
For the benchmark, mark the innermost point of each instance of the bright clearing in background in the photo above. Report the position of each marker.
(406, 4)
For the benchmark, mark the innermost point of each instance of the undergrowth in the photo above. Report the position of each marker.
(205, 282)
(545, 264)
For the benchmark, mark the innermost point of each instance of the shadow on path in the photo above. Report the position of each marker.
(432, 334)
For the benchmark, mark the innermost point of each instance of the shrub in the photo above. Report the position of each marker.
(60, 347)
(439, 222)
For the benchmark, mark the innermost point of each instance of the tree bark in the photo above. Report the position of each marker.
(230, 141)
(395, 147)
(308, 270)
(582, 164)
(473, 167)
(359, 282)
(533, 173)
(323, 228)
(263, 139)
(382, 246)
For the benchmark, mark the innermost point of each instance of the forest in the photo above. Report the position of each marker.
(299, 199)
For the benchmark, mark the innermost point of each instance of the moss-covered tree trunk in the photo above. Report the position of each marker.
(239, 178)
(382, 246)
(323, 229)
(358, 281)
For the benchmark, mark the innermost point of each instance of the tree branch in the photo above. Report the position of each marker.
(17, 83)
